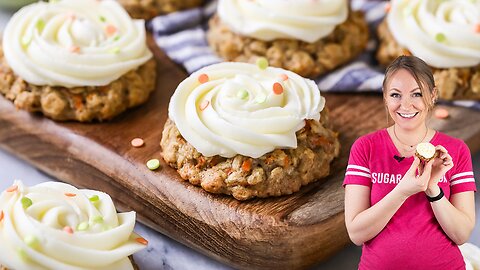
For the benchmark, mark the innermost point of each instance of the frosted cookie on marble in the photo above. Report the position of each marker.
(57, 226)
(307, 37)
(248, 131)
(76, 60)
(445, 34)
(147, 9)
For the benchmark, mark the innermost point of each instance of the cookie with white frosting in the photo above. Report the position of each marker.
(57, 226)
(445, 34)
(76, 60)
(307, 37)
(147, 9)
(425, 151)
(248, 131)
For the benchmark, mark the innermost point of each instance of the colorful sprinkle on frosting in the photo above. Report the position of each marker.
(82, 226)
(26, 202)
(68, 229)
(142, 241)
(440, 37)
(204, 105)
(277, 88)
(203, 78)
(242, 94)
(12, 188)
(262, 63)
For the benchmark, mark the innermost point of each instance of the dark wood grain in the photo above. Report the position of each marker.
(289, 232)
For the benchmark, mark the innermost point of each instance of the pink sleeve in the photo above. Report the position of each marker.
(358, 171)
(462, 172)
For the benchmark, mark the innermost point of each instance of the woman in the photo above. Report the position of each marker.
(408, 214)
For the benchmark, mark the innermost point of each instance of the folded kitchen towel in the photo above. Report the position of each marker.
(182, 35)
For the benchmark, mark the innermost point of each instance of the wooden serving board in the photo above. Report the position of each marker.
(289, 232)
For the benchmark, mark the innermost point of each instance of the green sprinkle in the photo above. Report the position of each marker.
(116, 38)
(115, 50)
(153, 164)
(40, 25)
(440, 37)
(26, 40)
(32, 241)
(23, 254)
(242, 94)
(94, 198)
(107, 228)
(262, 63)
(26, 202)
(261, 98)
(82, 226)
(97, 219)
(102, 19)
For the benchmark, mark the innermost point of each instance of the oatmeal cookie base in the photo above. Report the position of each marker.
(147, 9)
(346, 42)
(280, 172)
(82, 104)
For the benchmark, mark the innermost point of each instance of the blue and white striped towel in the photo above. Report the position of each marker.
(182, 35)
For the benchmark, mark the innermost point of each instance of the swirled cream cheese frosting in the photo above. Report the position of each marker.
(238, 108)
(443, 33)
(56, 226)
(74, 43)
(267, 20)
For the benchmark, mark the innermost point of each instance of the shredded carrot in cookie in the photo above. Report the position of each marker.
(247, 165)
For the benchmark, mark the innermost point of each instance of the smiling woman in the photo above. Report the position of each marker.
(429, 212)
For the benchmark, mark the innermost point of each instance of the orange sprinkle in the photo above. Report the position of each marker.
(142, 241)
(74, 49)
(12, 188)
(110, 30)
(68, 229)
(277, 88)
(284, 77)
(137, 142)
(204, 105)
(247, 165)
(203, 78)
(388, 6)
(70, 194)
(441, 113)
(477, 28)
(2, 215)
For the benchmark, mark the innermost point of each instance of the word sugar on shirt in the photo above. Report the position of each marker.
(390, 178)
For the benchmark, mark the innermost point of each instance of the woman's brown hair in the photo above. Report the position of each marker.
(420, 71)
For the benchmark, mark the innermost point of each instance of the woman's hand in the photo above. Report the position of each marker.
(412, 183)
(441, 165)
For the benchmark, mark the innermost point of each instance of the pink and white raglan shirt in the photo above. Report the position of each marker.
(412, 239)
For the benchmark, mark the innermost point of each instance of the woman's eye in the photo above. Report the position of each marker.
(395, 95)
(418, 94)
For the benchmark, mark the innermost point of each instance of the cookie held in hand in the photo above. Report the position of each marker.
(425, 151)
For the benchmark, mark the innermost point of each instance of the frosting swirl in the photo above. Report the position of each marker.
(267, 20)
(238, 108)
(56, 226)
(74, 43)
(443, 33)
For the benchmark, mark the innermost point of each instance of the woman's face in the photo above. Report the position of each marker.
(404, 101)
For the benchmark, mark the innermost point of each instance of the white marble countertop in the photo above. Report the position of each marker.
(165, 253)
